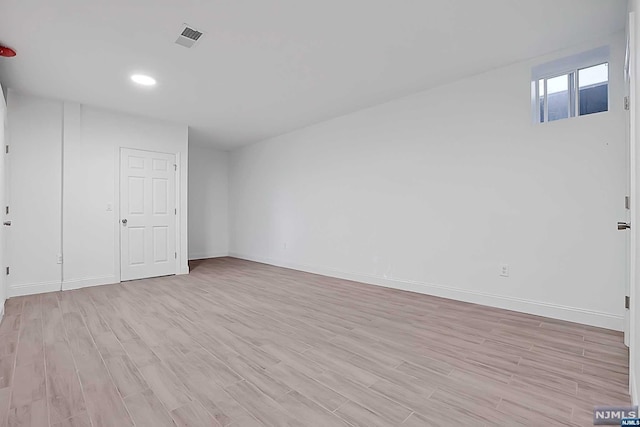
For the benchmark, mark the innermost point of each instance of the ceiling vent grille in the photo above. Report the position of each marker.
(189, 36)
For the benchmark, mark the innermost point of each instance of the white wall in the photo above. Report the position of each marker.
(433, 192)
(87, 147)
(208, 202)
(34, 194)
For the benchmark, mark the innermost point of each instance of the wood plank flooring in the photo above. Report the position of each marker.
(238, 343)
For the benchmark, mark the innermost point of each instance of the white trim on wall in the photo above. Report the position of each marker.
(555, 311)
(33, 288)
(198, 256)
(116, 209)
(68, 285)
(178, 214)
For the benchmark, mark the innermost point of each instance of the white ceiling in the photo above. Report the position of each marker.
(266, 67)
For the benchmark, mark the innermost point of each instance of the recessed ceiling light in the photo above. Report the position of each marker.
(143, 80)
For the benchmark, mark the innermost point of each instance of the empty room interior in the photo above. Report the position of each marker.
(319, 213)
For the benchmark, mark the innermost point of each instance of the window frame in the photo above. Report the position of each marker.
(571, 67)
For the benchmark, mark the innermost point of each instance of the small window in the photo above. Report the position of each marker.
(594, 89)
(570, 87)
(558, 99)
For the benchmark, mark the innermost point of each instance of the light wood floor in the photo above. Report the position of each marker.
(245, 344)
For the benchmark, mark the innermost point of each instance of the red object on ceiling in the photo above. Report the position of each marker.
(7, 51)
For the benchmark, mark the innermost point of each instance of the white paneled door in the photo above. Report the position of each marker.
(147, 214)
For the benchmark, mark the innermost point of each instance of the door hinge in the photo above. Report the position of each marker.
(175, 167)
(627, 202)
(626, 102)
(627, 301)
(6, 149)
(7, 210)
(175, 254)
(175, 211)
(7, 271)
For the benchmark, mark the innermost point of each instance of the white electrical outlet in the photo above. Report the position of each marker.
(59, 258)
(504, 270)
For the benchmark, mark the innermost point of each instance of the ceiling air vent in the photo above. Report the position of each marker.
(189, 36)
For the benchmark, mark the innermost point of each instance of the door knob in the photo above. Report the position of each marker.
(623, 225)
(124, 221)
(7, 223)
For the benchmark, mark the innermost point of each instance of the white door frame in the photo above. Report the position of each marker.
(629, 86)
(4, 190)
(116, 210)
(630, 329)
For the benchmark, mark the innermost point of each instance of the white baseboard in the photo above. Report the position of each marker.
(84, 282)
(33, 288)
(555, 311)
(196, 256)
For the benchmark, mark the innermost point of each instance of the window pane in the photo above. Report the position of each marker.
(594, 89)
(541, 94)
(558, 97)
